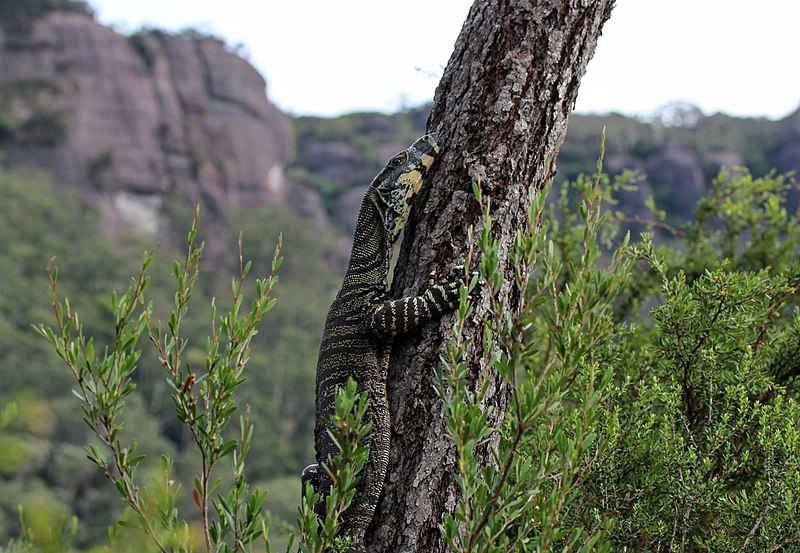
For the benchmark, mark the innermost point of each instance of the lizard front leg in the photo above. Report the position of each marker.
(391, 318)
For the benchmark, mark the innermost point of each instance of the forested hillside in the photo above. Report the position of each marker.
(42, 462)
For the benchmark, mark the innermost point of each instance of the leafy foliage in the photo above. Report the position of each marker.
(42, 462)
(553, 355)
(104, 381)
(653, 389)
(702, 424)
(348, 429)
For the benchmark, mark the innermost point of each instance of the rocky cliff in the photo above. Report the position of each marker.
(138, 122)
(676, 154)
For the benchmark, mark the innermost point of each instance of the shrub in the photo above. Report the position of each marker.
(652, 388)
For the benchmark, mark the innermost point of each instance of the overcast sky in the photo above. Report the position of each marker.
(326, 57)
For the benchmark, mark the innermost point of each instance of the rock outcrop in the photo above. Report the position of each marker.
(679, 171)
(143, 122)
(140, 121)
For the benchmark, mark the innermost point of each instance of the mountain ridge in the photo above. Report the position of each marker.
(136, 121)
(140, 123)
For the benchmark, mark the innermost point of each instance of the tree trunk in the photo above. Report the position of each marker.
(500, 112)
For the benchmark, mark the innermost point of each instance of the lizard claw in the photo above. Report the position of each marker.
(431, 279)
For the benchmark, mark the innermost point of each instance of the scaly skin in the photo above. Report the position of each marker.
(361, 323)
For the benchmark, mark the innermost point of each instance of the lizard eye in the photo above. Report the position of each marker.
(398, 160)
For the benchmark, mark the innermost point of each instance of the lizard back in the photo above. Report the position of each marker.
(363, 319)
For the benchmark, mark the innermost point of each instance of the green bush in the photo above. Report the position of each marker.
(203, 390)
(653, 389)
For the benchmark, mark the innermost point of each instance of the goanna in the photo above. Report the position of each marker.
(362, 321)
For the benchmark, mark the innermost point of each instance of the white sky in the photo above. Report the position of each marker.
(324, 57)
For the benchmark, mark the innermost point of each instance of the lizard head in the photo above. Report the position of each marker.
(395, 187)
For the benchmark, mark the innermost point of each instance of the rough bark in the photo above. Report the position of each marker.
(500, 111)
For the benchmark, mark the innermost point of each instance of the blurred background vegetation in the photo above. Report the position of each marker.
(42, 463)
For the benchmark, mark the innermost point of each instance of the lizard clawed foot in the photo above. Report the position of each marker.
(310, 475)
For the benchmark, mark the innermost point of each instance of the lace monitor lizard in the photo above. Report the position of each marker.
(362, 321)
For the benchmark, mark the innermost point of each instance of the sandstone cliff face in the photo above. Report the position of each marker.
(144, 120)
